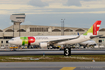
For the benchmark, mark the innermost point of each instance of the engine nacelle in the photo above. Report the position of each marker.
(43, 45)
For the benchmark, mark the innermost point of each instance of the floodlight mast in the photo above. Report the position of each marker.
(62, 27)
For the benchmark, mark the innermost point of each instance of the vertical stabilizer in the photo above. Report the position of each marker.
(94, 29)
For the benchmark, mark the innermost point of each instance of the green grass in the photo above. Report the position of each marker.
(53, 58)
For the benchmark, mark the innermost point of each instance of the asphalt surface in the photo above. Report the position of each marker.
(70, 68)
(52, 66)
(52, 52)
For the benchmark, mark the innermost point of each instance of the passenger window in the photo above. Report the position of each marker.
(6, 41)
(1, 41)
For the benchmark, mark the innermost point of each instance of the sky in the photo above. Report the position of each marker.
(77, 13)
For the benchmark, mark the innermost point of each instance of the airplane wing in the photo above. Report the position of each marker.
(60, 40)
(95, 36)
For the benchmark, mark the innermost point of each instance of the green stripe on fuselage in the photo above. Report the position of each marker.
(24, 40)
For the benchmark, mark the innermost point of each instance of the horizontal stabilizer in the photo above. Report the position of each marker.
(94, 36)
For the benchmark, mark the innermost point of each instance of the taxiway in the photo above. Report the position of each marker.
(52, 52)
(52, 65)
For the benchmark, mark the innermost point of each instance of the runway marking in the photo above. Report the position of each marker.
(68, 68)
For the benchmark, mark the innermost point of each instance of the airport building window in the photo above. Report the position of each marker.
(9, 30)
(100, 41)
(1, 31)
(2, 45)
(102, 37)
(56, 30)
(38, 29)
(68, 30)
(103, 29)
(1, 37)
(21, 30)
(6, 41)
(7, 37)
(20, 17)
(1, 41)
(80, 30)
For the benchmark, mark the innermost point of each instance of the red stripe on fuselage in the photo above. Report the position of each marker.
(31, 40)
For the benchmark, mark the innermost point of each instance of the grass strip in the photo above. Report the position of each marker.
(53, 58)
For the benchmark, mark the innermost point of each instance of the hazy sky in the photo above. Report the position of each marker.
(77, 13)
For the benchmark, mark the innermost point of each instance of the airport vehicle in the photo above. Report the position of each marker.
(15, 47)
(45, 41)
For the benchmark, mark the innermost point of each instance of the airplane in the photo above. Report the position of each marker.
(87, 43)
(44, 41)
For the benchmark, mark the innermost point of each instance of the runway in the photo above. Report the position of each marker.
(52, 52)
(52, 66)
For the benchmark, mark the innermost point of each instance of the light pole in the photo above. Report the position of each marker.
(19, 29)
(13, 29)
(62, 27)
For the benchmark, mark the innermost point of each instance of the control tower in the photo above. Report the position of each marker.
(17, 19)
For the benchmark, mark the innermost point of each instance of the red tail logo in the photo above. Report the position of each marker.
(96, 27)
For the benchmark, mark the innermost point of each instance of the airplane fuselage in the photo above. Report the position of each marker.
(36, 40)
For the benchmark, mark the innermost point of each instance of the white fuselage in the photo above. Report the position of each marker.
(40, 39)
(90, 42)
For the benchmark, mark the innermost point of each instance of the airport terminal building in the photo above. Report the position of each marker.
(17, 30)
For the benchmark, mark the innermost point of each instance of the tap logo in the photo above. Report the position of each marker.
(94, 29)
(27, 40)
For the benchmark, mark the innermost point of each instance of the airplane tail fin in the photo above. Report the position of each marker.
(94, 29)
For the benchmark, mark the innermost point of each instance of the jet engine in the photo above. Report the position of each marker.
(43, 45)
